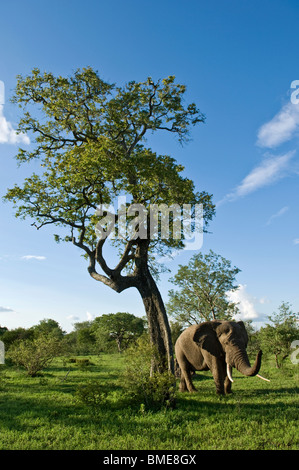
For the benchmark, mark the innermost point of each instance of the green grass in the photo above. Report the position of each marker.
(43, 412)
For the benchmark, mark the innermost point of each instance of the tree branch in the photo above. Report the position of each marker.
(100, 259)
(126, 257)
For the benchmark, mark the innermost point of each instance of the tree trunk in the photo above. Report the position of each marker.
(276, 361)
(118, 342)
(141, 278)
(159, 329)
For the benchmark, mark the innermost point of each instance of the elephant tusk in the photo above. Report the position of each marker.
(261, 377)
(229, 372)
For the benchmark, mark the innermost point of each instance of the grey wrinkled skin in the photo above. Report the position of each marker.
(214, 346)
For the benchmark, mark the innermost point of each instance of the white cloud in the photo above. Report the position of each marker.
(40, 258)
(283, 127)
(296, 241)
(6, 309)
(245, 303)
(282, 211)
(266, 173)
(89, 316)
(264, 300)
(7, 133)
(269, 171)
(73, 318)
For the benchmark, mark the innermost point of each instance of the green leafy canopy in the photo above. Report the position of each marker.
(90, 140)
(202, 288)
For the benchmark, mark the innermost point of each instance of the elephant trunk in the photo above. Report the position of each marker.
(244, 366)
(241, 362)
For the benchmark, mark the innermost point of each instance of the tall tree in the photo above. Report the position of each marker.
(202, 288)
(90, 141)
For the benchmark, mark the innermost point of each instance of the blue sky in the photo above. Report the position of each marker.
(238, 60)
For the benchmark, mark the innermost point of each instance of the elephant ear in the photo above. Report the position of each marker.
(206, 337)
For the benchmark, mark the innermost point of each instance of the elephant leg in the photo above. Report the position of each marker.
(219, 373)
(219, 385)
(186, 382)
(227, 386)
(183, 386)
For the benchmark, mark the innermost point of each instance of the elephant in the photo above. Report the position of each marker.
(217, 346)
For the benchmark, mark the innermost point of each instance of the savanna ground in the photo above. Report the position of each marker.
(44, 412)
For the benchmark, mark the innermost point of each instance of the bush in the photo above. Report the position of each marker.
(80, 362)
(34, 355)
(93, 395)
(151, 390)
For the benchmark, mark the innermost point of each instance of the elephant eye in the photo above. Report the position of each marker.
(225, 331)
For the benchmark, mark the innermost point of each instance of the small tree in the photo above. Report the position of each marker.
(86, 340)
(3, 330)
(10, 337)
(82, 339)
(48, 327)
(34, 355)
(277, 338)
(121, 328)
(202, 288)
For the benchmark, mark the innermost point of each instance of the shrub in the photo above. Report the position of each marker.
(93, 395)
(154, 390)
(81, 362)
(34, 355)
(72, 360)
